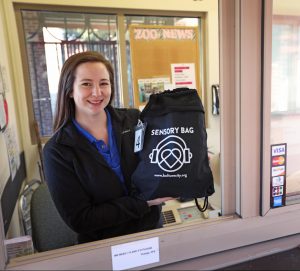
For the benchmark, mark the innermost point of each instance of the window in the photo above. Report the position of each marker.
(227, 149)
(285, 96)
(281, 177)
(51, 37)
(285, 64)
(152, 20)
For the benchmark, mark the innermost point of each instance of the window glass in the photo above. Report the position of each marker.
(51, 37)
(152, 20)
(285, 91)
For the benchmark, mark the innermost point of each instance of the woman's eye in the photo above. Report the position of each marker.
(104, 84)
(86, 84)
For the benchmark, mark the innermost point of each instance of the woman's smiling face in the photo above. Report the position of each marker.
(91, 89)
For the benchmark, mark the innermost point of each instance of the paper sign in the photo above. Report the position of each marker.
(135, 254)
(150, 86)
(12, 150)
(183, 75)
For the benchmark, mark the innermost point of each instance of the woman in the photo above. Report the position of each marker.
(89, 160)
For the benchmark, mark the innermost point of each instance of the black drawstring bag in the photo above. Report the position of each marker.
(174, 158)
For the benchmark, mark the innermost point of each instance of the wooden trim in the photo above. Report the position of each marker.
(285, 19)
(102, 9)
(123, 60)
(250, 102)
(227, 101)
(266, 108)
(176, 245)
(26, 76)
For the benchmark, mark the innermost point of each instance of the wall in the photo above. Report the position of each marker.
(286, 7)
(8, 186)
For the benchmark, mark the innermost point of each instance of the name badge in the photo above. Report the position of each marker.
(139, 136)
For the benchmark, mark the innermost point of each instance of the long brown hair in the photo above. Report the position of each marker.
(65, 106)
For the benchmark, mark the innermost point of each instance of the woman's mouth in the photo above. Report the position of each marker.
(95, 102)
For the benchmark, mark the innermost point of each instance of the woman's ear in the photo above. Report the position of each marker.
(71, 95)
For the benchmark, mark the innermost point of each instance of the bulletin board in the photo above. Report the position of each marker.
(163, 57)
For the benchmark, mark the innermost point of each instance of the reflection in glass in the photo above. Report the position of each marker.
(285, 99)
(51, 37)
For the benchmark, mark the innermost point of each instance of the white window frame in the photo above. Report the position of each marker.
(240, 55)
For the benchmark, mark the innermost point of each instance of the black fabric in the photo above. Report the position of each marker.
(174, 158)
(87, 192)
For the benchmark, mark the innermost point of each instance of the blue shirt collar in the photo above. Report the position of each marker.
(89, 136)
(110, 153)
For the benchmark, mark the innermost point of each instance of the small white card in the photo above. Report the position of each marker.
(138, 141)
(139, 136)
(134, 254)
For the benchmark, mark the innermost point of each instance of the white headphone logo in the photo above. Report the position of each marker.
(171, 153)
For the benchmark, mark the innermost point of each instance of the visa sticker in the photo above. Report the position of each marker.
(278, 150)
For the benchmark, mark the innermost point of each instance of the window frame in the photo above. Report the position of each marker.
(192, 229)
(240, 168)
(169, 236)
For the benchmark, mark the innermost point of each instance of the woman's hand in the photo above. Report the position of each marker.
(158, 201)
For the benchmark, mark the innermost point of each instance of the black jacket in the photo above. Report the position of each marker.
(87, 192)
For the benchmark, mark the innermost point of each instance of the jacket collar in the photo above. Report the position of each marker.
(68, 134)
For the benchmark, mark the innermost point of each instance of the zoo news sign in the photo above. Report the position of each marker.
(155, 49)
(149, 34)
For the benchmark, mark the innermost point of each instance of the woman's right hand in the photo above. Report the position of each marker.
(158, 201)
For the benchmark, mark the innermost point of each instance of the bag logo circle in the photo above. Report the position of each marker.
(171, 154)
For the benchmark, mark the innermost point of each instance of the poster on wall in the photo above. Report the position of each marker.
(170, 53)
(4, 164)
(278, 175)
(12, 150)
(3, 87)
(149, 86)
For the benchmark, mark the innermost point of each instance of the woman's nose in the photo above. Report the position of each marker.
(96, 90)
